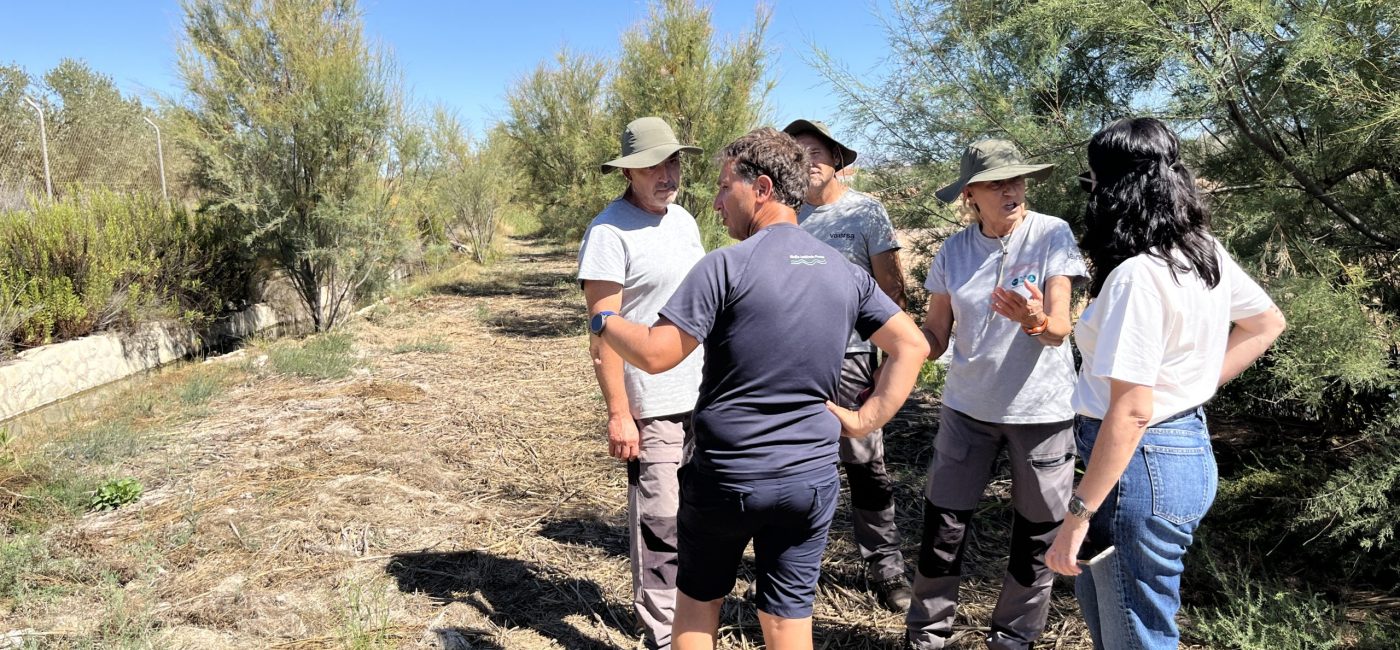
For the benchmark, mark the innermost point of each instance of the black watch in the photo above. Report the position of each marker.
(1079, 509)
(599, 321)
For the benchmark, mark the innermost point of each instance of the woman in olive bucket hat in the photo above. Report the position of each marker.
(999, 294)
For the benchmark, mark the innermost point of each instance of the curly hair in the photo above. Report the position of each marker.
(769, 152)
(1145, 201)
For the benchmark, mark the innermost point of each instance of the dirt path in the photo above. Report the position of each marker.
(452, 491)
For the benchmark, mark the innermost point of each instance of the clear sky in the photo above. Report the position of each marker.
(461, 54)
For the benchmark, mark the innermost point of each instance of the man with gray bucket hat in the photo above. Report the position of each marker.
(999, 295)
(857, 225)
(634, 255)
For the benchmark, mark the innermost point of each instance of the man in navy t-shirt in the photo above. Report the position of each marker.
(774, 313)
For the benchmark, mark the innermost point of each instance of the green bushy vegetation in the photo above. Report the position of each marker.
(1286, 111)
(116, 493)
(101, 260)
(327, 356)
(565, 117)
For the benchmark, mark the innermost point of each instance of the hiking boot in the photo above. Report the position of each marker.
(893, 593)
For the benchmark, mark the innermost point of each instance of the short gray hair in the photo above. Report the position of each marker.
(772, 153)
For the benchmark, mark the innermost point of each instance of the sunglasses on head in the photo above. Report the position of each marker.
(1086, 181)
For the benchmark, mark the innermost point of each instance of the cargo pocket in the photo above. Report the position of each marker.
(1183, 482)
(1048, 462)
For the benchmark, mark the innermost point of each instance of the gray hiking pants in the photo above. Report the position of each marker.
(1042, 476)
(653, 498)
(872, 491)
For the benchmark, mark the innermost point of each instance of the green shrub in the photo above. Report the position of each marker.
(425, 346)
(19, 554)
(95, 261)
(116, 493)
(198, 390)
(328, 356)
(1268, 617)
(932, 376)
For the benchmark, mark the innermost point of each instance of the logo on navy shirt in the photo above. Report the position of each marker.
(807, 260)
(842, 235)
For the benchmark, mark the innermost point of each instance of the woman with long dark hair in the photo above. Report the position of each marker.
(1156, 342)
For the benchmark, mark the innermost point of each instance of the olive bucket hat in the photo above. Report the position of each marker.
(991, 160)
(645, 142)
(844, 154)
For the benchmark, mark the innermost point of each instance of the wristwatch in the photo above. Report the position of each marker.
(599, 321)
(1079, 509)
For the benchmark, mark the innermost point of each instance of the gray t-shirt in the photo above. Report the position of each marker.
(998, 373)
(858, 226)
(649, 256)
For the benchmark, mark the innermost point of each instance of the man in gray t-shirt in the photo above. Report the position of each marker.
(634, 255)
(858, 226)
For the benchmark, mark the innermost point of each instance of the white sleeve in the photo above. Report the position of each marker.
(1247, 298)
(1131, 339)
(1065, 257)
(879, 232)
(937, 280)
(602, 256)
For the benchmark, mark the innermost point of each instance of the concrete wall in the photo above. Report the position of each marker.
(51, 373)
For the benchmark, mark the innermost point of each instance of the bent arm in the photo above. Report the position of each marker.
(654, 349)
(1129, 411)
(906, 350)
(1057, 293)
(890, 276)
(1249, 339)
(938, 324)
(607, 365)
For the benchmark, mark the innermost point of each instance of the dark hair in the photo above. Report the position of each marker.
(772, 153)
(1145, 201)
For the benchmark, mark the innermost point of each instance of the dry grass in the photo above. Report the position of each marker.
(458, 500)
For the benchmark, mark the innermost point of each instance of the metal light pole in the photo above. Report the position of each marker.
(160, 158)
(43, 144)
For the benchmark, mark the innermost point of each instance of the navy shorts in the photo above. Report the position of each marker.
(787, 518)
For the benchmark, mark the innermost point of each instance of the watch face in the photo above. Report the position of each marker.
(595, 324)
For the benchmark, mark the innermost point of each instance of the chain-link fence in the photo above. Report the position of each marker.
(65, 154)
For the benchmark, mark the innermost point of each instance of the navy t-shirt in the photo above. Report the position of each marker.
(774, 313)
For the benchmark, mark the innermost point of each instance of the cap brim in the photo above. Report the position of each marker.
(950, 192)
(647, 157)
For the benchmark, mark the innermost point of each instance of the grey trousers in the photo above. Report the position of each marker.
(653, 498)
(1042, 476)
(872, 491)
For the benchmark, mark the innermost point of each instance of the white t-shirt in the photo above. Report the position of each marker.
(998, 373)
(648, 255)
(1152, 329)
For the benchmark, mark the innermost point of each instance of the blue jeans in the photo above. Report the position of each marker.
(1130, 600)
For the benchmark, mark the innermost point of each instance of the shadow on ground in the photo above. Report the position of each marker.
(565, 319)
(590, 533)
(511, 593)
(539, 285)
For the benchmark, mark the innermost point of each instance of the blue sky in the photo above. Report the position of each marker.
(460, 54)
